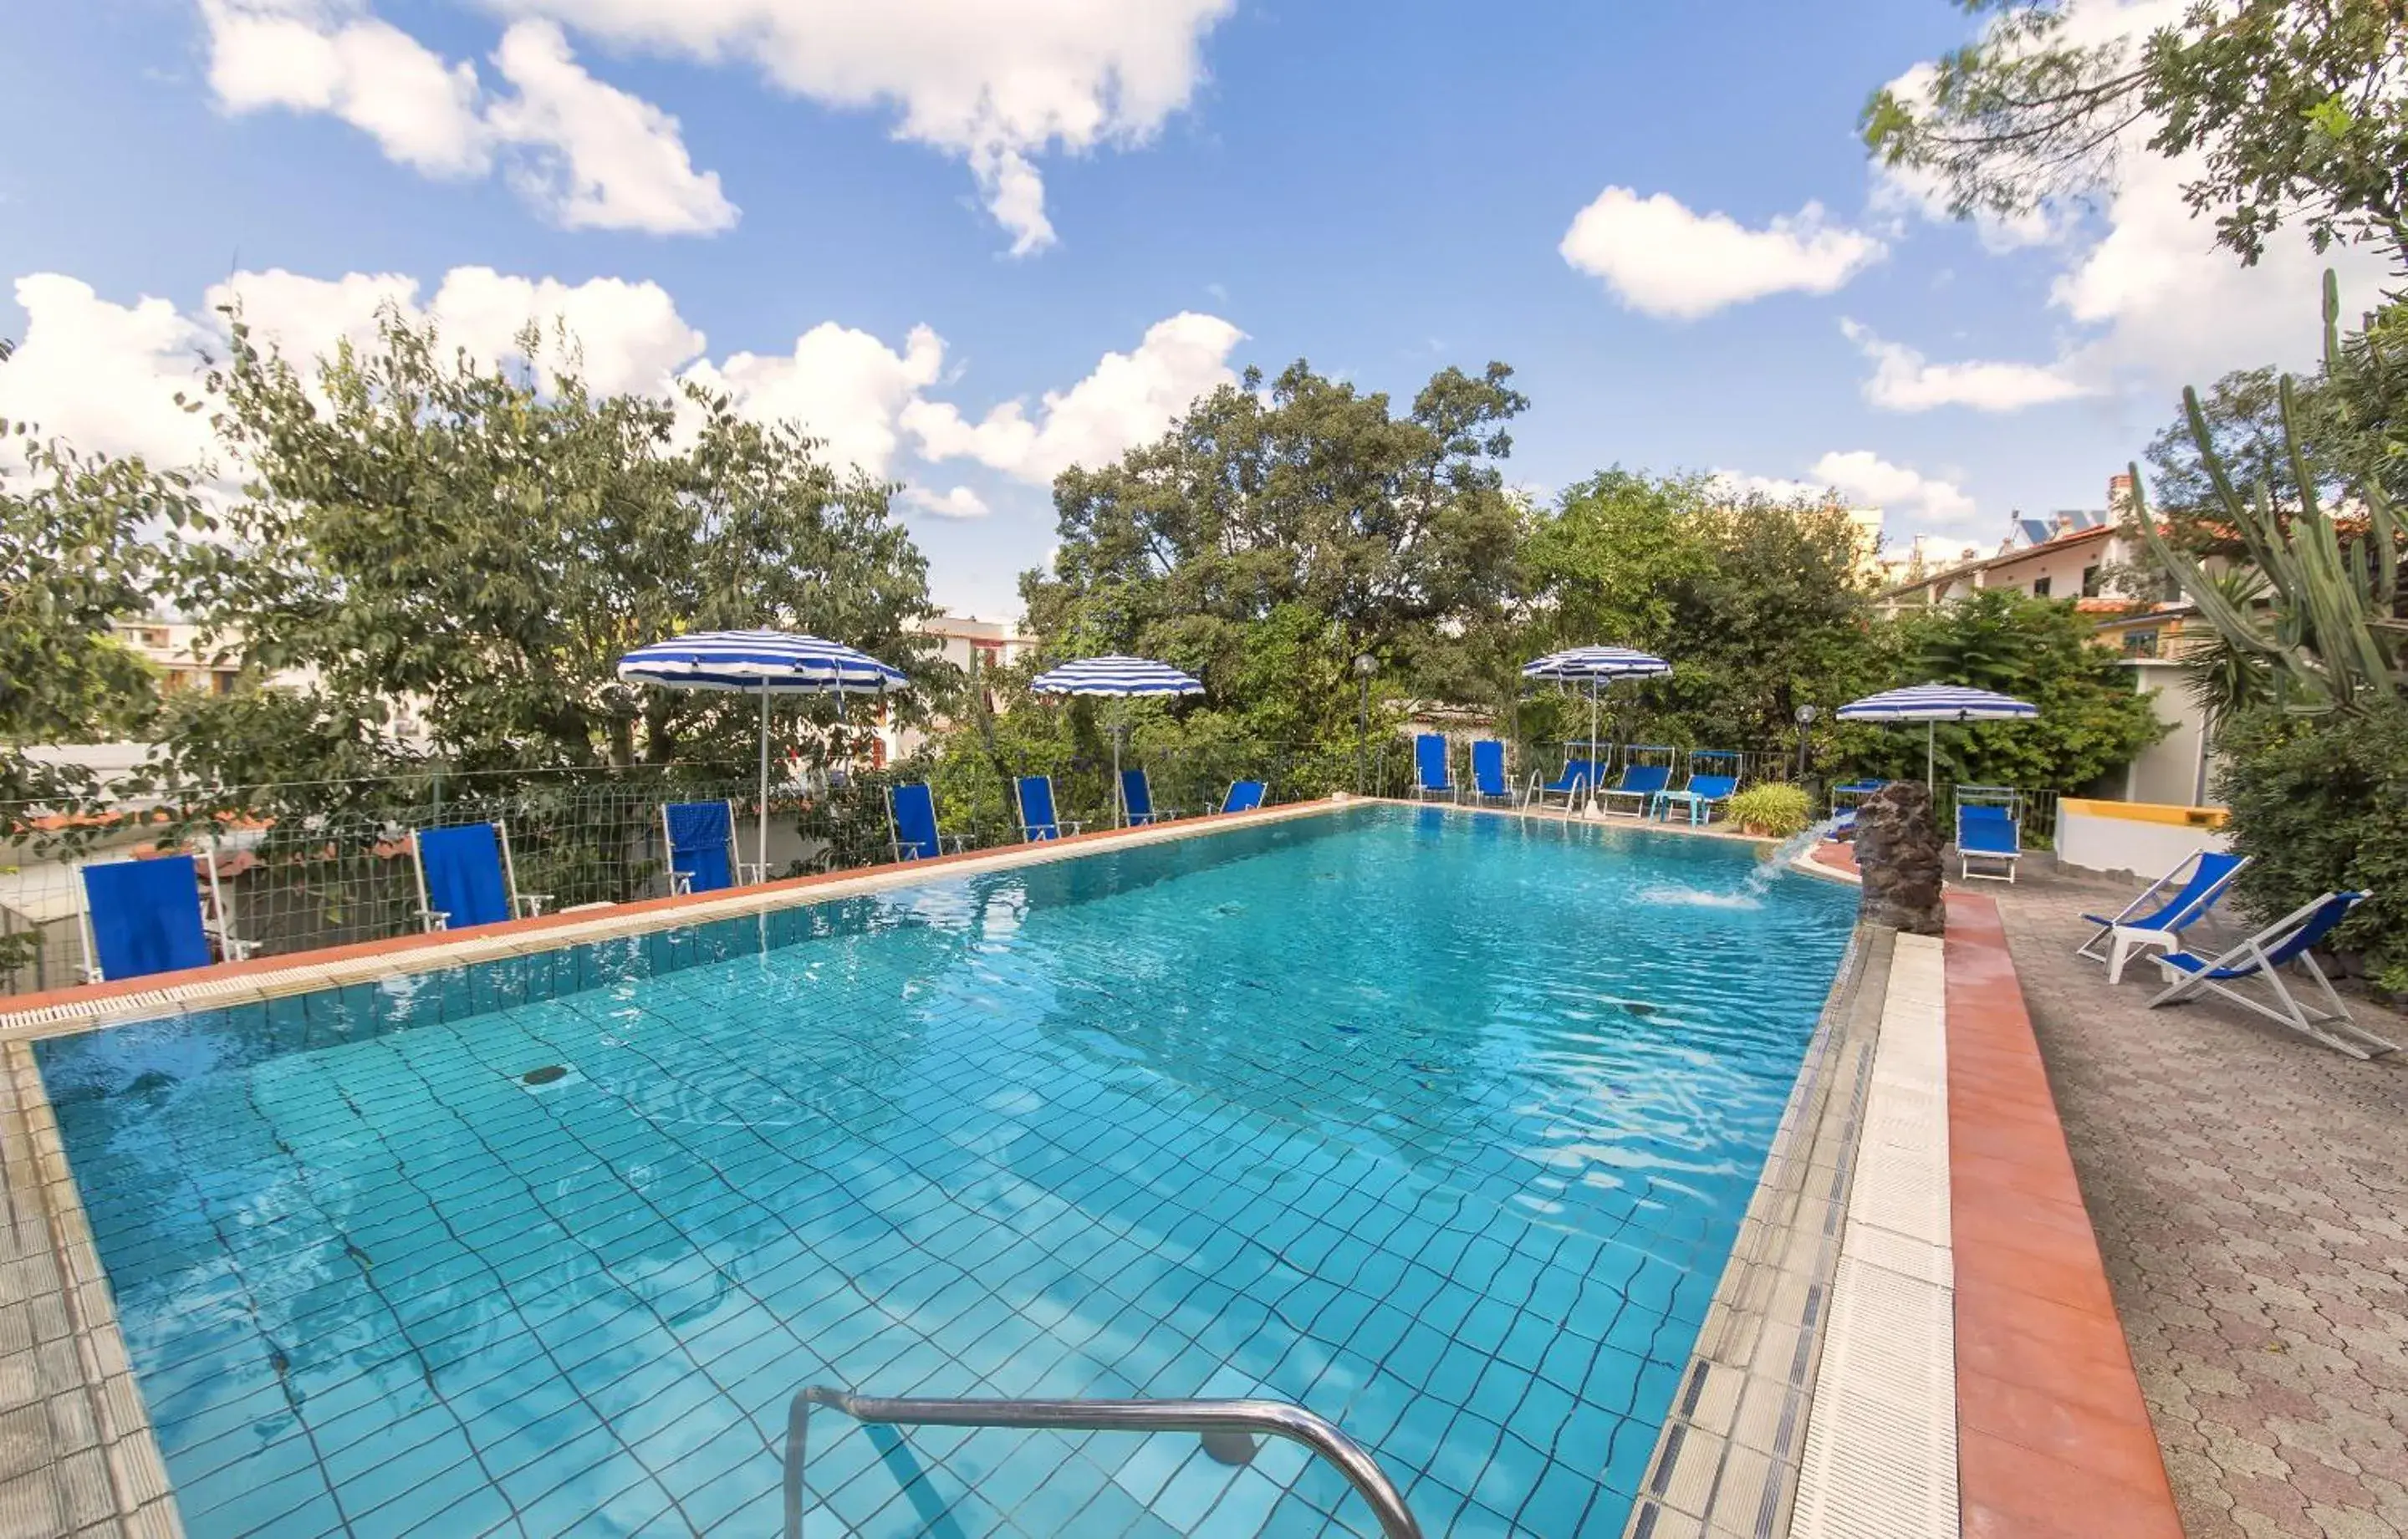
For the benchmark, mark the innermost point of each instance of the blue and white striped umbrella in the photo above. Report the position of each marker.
(762, 662)
(1115, 677)
(1596, 665)
(1930, 703)
(778, 661)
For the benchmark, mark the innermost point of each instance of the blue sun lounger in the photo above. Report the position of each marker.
(465, 877)
(911, 824)
(1640, 783)
(1137, 800)
(1432, 775)
(1844, 818)
(701, 839)
(1244, 796)
(1706, 791)
(2263, 956)
(145, 915)
(1572, 785)
(1037, 820)
(2186, 901)
(1988, 832)
(1488, 781)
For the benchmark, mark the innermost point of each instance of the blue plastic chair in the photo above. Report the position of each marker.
(144, 917)
(701, 837)
(1705, 790)
(1244, 796)
(1572, 785)
(2287, 940)
(1137, 800)
(1990, 834)
(465, 877)
(911, 824)
(1038, 821)
(1640, 783)
(1432, 775)
(1488, 782)
(2187, 901)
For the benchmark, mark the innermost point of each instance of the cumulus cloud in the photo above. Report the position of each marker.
(1739, 485)
(1660, 257)
(1129, 398)
(104, 374)
(1904, 380)
(959, 502)
(997, 82)
(585, 154)
(1864, 479)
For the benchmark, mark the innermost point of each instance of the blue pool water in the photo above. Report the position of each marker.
(1440, 1125)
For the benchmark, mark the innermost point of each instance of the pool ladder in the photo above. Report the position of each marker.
(1227, 1427)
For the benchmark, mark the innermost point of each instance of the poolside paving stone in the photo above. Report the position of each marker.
(2248, 1190)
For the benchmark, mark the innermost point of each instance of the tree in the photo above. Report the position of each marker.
(1755, 601)
(2243, 416)
(2295, 109)
(1305, 523)
(2092, 721)
(483, 543)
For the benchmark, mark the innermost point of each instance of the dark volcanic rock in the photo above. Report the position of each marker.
(1897, 850)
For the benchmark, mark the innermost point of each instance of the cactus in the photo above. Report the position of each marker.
(2337, 641)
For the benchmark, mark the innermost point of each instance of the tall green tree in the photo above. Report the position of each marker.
(482, 543)
(2295, 109)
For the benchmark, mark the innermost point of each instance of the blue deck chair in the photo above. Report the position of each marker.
(1708, 787)
(1572, 785)
(701, 839)
(143, 917)
(1432, 775)
(2263, 956)
(1244, 796)
(1038, 821)
(1488, 782)
(1844, 818)
(2186, 900)
(1639, 785)
(1137, 800)
(465, 877)
(1991, 835)
(912, 824)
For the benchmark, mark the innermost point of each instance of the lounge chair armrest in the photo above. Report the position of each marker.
(1066, 823)
(959, 841)
(435, 918)
(681, 883)
(532, 903)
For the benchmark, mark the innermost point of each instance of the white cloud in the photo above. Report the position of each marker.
(329, 57)
(584, 154)
(1129, 398)
(959, 502)
(1739, 485)
(1661, 258)
(1904, 380)
(843, 386)
(996, 82)
(1864, 479)
(104, 377)
(600, 158)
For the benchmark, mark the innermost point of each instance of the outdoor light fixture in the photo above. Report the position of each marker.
(1364, 666)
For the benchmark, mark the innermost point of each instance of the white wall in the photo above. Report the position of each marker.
(2095, 839)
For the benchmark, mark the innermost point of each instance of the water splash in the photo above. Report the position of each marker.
(1750, 893)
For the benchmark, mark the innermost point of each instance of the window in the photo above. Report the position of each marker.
(2140, 644)
(222, 681)
(2040, 587)
(2090, 582)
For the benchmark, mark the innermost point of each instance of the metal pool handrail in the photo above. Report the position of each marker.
(1223, 1423)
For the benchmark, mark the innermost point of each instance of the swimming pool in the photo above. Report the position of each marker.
(1437, 1124)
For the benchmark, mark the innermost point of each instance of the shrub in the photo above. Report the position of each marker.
(1780, 810)
(2322, 804)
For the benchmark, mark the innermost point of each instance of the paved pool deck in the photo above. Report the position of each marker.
(2248, 1190)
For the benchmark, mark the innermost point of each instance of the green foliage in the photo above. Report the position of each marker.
(1773, 807)
(2092, 720)
(2289, 109)
(2336, 637)
(2322, 804)
(483, 543)
(2225, 679)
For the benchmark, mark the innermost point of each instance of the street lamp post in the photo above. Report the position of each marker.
(1806, 715)
(1364, 666)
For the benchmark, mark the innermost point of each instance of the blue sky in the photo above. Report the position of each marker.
(1381, 189)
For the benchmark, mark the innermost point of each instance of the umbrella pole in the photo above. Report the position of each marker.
(760, 838)
(1596, 769)
(1931, 732)
(1119, 808)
